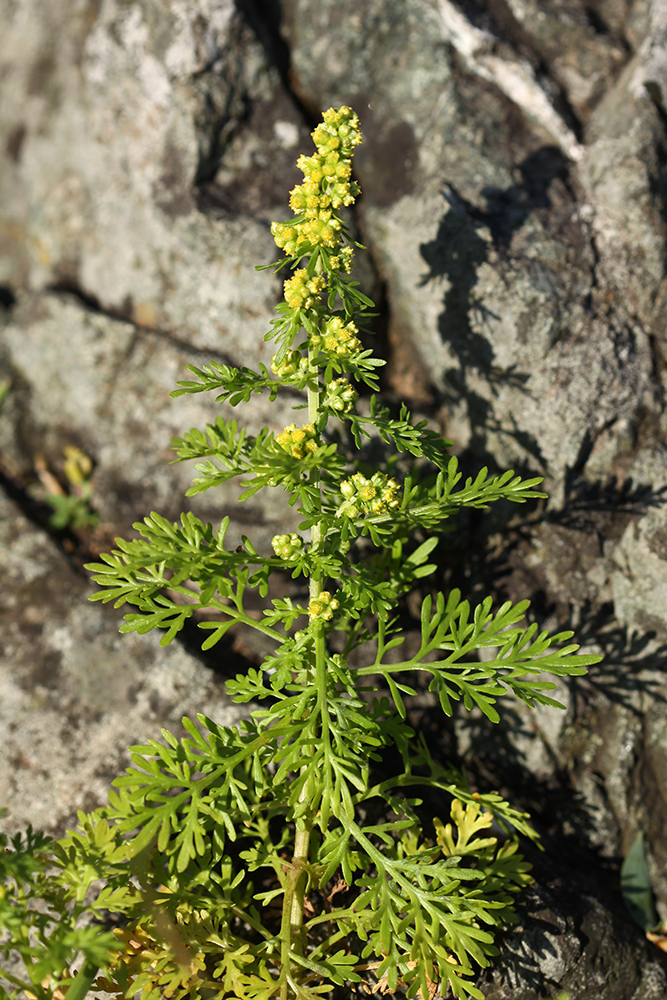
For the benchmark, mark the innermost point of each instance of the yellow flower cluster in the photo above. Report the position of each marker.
(323, 607)
(302, 292)
(326, 187)
(293, 363)
(336, 337)
(298, 441)
(342, 261)
(378, 495)
(287, 546)
(338, 132)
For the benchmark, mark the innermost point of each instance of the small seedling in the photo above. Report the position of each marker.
(71, 507)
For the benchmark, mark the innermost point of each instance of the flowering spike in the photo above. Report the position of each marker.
(326, 188)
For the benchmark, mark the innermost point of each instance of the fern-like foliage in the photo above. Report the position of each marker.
(41, 930)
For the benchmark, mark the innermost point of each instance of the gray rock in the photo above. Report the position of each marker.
(74, 694)
(570, 940)
(514, 205)
(102, 136)
(84, 379)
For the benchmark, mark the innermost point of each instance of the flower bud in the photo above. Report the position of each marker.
(289, 365)
(287, 546)
(341, 396)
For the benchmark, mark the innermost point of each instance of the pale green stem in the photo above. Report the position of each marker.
(293, 902)
(247, 620)
(286, 932)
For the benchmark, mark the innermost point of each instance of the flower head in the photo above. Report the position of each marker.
(302, 292)
(287, 546)
(377, 496)
(340, 396)
(298, 441)
(293, 363)
(341, 260)
(336, 337)
(323, 607)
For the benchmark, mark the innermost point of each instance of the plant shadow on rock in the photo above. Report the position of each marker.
(456, 253)
(488, 549)
(632, 662)
(628, 657)
(585, 501)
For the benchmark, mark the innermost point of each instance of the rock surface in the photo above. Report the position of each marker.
(515, 197)
(573, 937)
(74, 694)
(109, 395)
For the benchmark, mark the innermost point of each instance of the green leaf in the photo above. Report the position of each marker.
(520, 653)
(636, 886)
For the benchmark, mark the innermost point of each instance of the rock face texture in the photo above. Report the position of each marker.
(514, 173)
(77, 695)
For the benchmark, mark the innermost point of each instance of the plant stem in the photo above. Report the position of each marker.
(286, 933)
(293, 900)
